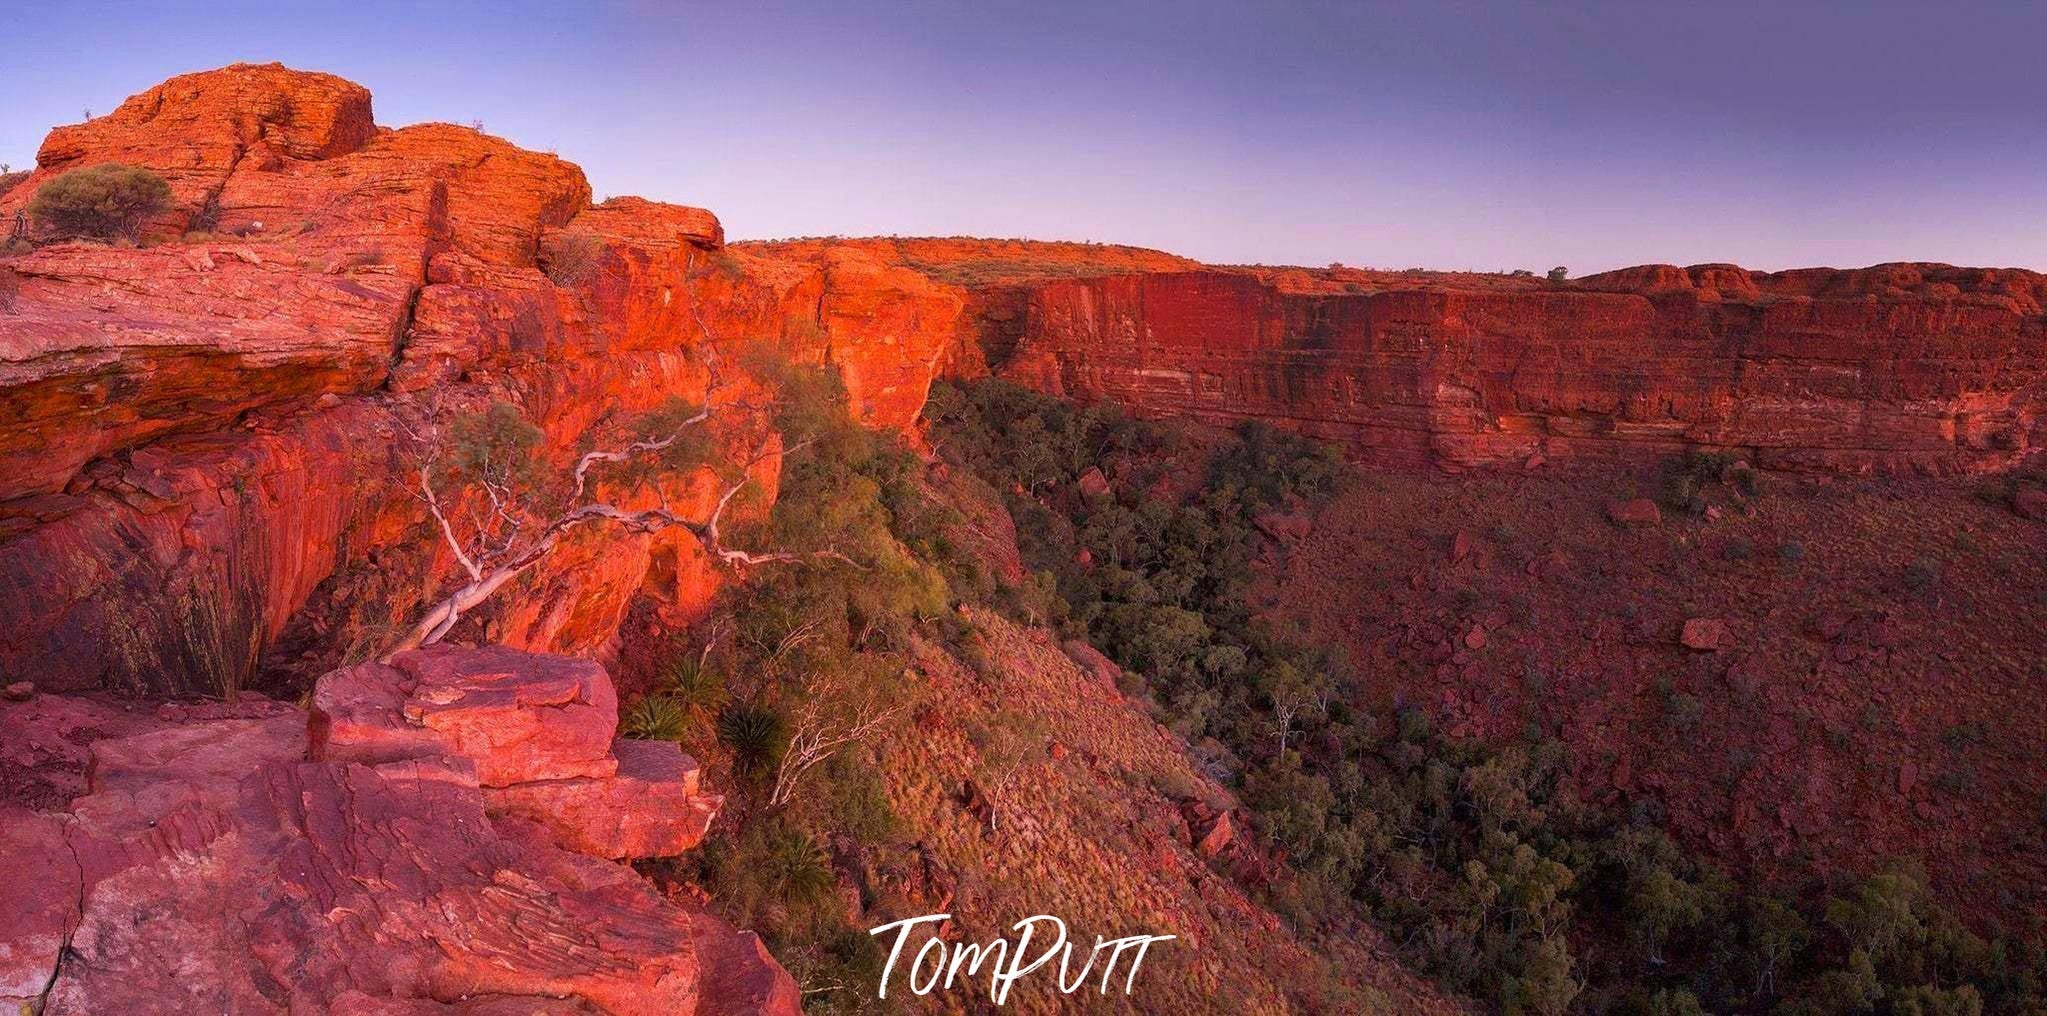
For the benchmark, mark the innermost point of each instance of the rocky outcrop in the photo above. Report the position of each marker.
(220, 861)
(207, 440)
(1922, 367)
(537, 729)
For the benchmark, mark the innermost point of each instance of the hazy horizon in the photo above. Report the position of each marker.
(1482, 136)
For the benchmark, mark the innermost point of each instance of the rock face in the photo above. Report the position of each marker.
(538, 731)
(206, 441)
(1922, 367)
(212, 866)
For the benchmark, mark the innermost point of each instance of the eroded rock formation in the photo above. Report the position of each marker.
(1921, 367)
(206, 439)
(220, 860)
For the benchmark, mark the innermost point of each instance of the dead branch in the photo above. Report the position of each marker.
(502, 545)
(818, 737)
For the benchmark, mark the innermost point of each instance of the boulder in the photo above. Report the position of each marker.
(2030, 503)
(1092, 484)
(1636, 514)
(1215, 837)
(652, 808)
(1706, 634)
(539, 731)
(516, 716)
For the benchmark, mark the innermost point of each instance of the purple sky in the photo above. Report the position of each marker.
(1444, 135)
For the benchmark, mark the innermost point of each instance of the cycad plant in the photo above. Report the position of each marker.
(697, 688)
(756, 735)
(655, 718)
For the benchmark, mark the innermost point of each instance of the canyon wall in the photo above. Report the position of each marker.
(1921, 367)
(208, 442)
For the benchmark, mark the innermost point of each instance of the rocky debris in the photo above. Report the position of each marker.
(1092, 484)
(1639, 513)
(1212, 839)
(212, 867)
(1706, 634)
(1093, 662)
(978, 804)
(1460, 546)
(19, 691)
(1207, 828)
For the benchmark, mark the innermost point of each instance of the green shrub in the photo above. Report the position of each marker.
(696, 688)
(655, 718)
(1683, 712)
(103, 201)
(1791, 551)
(757, 736)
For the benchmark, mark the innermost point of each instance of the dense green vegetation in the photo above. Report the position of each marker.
(799, 679)
(1475, 860)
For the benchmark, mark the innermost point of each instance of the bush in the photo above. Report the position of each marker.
(1683, 712)
(1921, 574)
(1791, 550)
(756, 735)
(692, 686)
(575, 261)
(103, 201)
(655, 718)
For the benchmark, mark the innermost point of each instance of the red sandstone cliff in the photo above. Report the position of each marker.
(1924, 367)
(202, 435)
(201, 449)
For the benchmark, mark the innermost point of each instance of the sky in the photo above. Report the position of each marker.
(1481, 135)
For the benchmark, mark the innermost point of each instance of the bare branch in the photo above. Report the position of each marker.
(507, 538)
(619, 455)
(433, 504)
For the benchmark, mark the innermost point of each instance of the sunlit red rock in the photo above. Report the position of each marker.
(516, 716)
(1917, 367)
(196, 129)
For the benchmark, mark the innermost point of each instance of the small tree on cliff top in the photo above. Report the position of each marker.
(501, 510)
(104, 201)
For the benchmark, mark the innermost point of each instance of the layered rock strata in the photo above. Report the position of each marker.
(206, 443)
(221, 860)
(1898, 367)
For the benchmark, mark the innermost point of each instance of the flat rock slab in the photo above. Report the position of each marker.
(518, 716)
(654, 807)
(211, 868)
